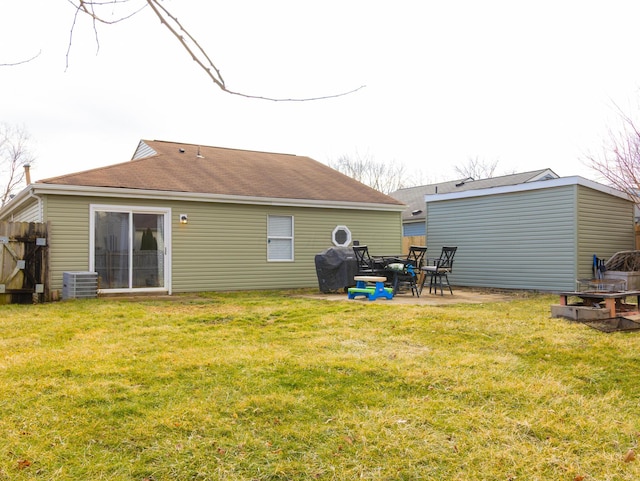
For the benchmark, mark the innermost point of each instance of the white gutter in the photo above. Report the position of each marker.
(32, 195)
(527, 186)
(59, 189)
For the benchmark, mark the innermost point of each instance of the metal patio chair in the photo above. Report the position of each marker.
(367, 266)
(407, 270)
(438, 273)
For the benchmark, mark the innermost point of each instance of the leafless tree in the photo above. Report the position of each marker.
(619, 161)
(385, 177)
(477, 168)
(97, 10)
(15, 154)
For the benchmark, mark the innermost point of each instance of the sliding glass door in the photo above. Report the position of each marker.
(129, 248)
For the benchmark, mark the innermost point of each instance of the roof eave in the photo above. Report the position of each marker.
(528, 186)
(23, 196)
(79, 190)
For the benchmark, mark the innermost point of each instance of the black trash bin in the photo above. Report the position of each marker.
(336, 267)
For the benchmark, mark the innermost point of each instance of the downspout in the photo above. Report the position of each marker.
(39, 200)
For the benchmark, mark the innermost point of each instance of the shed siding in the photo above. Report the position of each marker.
(605, 226)
(413, 229)
(518, 240)
(223, 246)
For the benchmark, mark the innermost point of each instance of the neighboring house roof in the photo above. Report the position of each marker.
(528, 186)
(216, 171)
(413, 197)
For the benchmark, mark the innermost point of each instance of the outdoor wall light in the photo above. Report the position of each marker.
(184, 219)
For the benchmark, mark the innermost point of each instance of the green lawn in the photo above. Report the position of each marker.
(273, 386)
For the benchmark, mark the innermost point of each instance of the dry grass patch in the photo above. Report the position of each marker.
(270, 386)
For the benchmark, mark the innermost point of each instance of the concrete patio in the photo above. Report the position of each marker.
(460, 295)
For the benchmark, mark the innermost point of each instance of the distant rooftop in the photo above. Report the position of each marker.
(413, 197)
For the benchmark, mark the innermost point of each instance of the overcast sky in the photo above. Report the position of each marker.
(531, 84)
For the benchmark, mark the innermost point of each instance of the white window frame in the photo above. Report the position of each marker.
(337, 229)
(133, 209)
(289, 238)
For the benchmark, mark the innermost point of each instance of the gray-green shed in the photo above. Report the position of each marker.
(535, 236)
(184, 218)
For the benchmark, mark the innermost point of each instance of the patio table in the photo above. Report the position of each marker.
(370, 292)
(613, 300)
(394, 273)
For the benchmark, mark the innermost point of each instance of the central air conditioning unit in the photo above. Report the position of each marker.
(79, 285)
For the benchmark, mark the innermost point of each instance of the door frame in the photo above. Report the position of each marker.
(133, 209)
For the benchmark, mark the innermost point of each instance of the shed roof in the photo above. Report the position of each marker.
(413, 197)
(530, 186)
(188, 168)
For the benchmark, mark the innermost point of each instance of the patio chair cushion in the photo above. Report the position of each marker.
(396, 266)
(436, 269)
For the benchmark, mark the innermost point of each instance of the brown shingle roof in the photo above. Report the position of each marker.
(178, 167)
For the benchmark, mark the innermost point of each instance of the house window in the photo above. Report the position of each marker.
(280, 238)
(128, 247)
(341, 236)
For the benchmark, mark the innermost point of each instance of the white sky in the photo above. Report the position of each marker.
(531, 84)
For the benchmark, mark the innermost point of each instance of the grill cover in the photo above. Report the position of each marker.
(336, 267)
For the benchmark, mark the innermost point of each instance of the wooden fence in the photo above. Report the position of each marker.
(416, 240)
(24, 262)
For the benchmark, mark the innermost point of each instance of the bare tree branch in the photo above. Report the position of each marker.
(14, 155)
(89, 8)
(186, 40)
(385, 177)
(619, 161)
(200, 56)
(477, 168)
(21, 61)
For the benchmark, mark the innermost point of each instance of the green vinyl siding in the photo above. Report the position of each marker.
(223, 245)
(605, 226)
(68, 235)
(517, 240)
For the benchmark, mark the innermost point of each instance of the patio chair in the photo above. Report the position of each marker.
(406, 270)
(366, 265)
(438, 273)
(416, 256)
